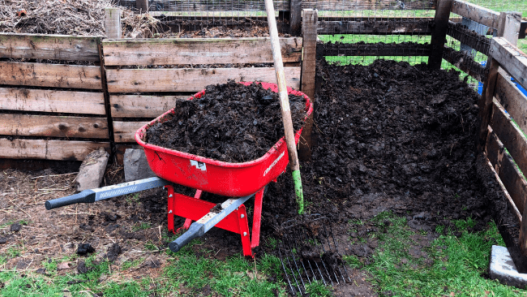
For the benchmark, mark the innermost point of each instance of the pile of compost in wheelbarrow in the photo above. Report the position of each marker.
(230, 122)
(389, 137)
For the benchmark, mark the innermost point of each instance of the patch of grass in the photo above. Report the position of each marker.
(455, 264)
(317, 288)
(12, 252)
(151, 247)
(141, 226)
(130, 264)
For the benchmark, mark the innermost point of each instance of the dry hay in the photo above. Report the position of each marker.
(70, 17)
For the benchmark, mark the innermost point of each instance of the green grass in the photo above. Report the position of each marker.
(141, 226)
(457, 263)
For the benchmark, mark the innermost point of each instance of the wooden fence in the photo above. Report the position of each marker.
(56, 110)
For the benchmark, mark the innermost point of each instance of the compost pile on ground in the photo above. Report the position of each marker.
(70, 17)
(388, 137)
(231, 122)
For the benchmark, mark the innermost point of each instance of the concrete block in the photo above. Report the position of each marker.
(503, 269)
(92, 170)
(135, 165)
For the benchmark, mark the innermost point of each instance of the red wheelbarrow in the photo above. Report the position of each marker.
(203, 174)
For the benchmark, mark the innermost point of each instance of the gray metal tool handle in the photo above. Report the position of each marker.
(86, 196)
(194, 231)
(94, 195)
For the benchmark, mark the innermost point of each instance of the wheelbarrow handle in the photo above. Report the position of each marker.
(91, 196)
(195, 230)
(86, 196)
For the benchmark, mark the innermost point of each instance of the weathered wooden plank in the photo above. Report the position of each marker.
(513, 60)
(464, 62)
(507, 172)
(295, 19)
(514, 101)
(201, 7)
(141, 106)
(510, 135)
(309, 63)
(112, 22)
(52, 47)
(50, 75)
(125, 131)
(48, 149)
(190, 80)
(377, 27)
(485, 102)
(52, 101)
(478, 42)
(183, 51)
(373, 49)
(439, 33)
(53, 126)
(476, 13)
(346, 5)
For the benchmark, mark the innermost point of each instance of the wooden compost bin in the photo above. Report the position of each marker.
(146, 76)
(48, 110)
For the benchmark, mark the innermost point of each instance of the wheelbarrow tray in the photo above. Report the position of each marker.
(213, 176)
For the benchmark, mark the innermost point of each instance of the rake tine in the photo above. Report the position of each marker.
(302, 262)
(336, 250)
(322, 260)
(319, 271)
(329, 249)
(287, 239)
(337, 247)
(308, 262)
(293, 273)
(285, 271)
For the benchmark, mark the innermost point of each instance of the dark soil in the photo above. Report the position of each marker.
(230, 122)
(388, 137)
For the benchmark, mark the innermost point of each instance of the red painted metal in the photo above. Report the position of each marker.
(222, 178)
(257, 218)
(194, 209)
(189, 221)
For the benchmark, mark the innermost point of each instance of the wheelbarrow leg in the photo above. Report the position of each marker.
(189, 221)
(244, 231)
(257, 219)
(170, 211)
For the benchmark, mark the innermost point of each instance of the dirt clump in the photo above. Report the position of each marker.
(84, 249)
(230, 122)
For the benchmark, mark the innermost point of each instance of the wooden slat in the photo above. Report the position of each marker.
(141, 106)
(465, 63)
(53, 126)
(377, 27)
(201, 7)
(513, 60)
(346, 5)
(478, 42)
(52, 47)
(510, 135)
(50, 75)
(48, 149)
(476, 13)
(178, 51)
(125, 131)
(52, 101)
(190, 80)
(509, 175)
(512, 99)
(373, 49)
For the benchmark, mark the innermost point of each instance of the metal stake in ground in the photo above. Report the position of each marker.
(284, 104)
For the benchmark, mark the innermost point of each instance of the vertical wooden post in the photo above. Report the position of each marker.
(439, 33)
(485, 102)
(112, 22)
(512, 27)
(295, 17)
(309, 63)
(141, 5)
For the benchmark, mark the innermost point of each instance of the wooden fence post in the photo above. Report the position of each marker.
(485, 102)
(439, 33)
(295, 17)
(141, 5)
(112, 22)
(309, 64)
